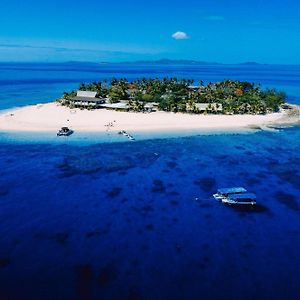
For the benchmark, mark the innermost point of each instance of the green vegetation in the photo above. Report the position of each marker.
(172, 94)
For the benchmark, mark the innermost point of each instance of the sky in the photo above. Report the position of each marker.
(226, 31)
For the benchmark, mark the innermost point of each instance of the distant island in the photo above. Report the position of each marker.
(166, 61)
(176, 95)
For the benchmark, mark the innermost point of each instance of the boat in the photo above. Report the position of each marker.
(225, 192)
(65, 131)
(241, 199)
(235, 195)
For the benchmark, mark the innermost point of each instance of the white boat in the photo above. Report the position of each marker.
(225, 192)
(235, 195)
(241, 199)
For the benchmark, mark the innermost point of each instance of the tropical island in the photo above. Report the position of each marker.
(157, 105)
(174, 95)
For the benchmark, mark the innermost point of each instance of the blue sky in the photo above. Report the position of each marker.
(228, 31)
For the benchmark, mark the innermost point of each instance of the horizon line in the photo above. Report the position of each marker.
(157, 61)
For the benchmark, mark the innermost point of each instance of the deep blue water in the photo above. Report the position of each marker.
(94, 220)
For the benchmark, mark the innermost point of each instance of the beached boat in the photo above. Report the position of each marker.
(65, 131)
(235, 195)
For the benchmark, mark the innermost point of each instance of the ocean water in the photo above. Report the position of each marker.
(99, 218)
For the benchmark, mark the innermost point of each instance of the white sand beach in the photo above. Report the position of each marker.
(52, 116)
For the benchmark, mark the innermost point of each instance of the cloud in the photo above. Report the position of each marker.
(180, 35)
(214, 18)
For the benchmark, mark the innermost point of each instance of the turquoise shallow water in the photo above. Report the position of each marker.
(90, 218)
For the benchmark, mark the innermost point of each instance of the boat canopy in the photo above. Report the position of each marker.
(237, 197)
(235, 190)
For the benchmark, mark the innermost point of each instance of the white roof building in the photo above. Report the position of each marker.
(86, 94)
(208, 106)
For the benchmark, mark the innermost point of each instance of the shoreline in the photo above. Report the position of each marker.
(50, 117)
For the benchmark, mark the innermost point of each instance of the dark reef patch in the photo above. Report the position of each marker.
(104, 159)
(158, 186)
(123, 173)
(97, 232)
(205, 205)
(295, 181)
(204, 263)
(173, 193)
(249, 153)
(249, 246)
(253, 181)
(171, 164)
(106, 275)
(286, 172)
(207, 184)
(240, 147)
(288, 200)
(4, 262)
(114, 192)
(124, 200)
(144, 210)
(205, 246)
(149, 227)
(134, 295)
(178, 248)
(222, 157)
(174, 202)
(84, 281)
(60, 237)
(4, 191)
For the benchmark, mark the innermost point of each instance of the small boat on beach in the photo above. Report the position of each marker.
(235, 195)
(65, 131)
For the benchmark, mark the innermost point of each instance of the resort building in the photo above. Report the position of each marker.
(87, 99)
(151, 106)
(204, 107)
(122, 105)
(193, 87)
(209, 107)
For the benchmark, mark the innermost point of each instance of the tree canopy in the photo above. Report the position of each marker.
(178, 95)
